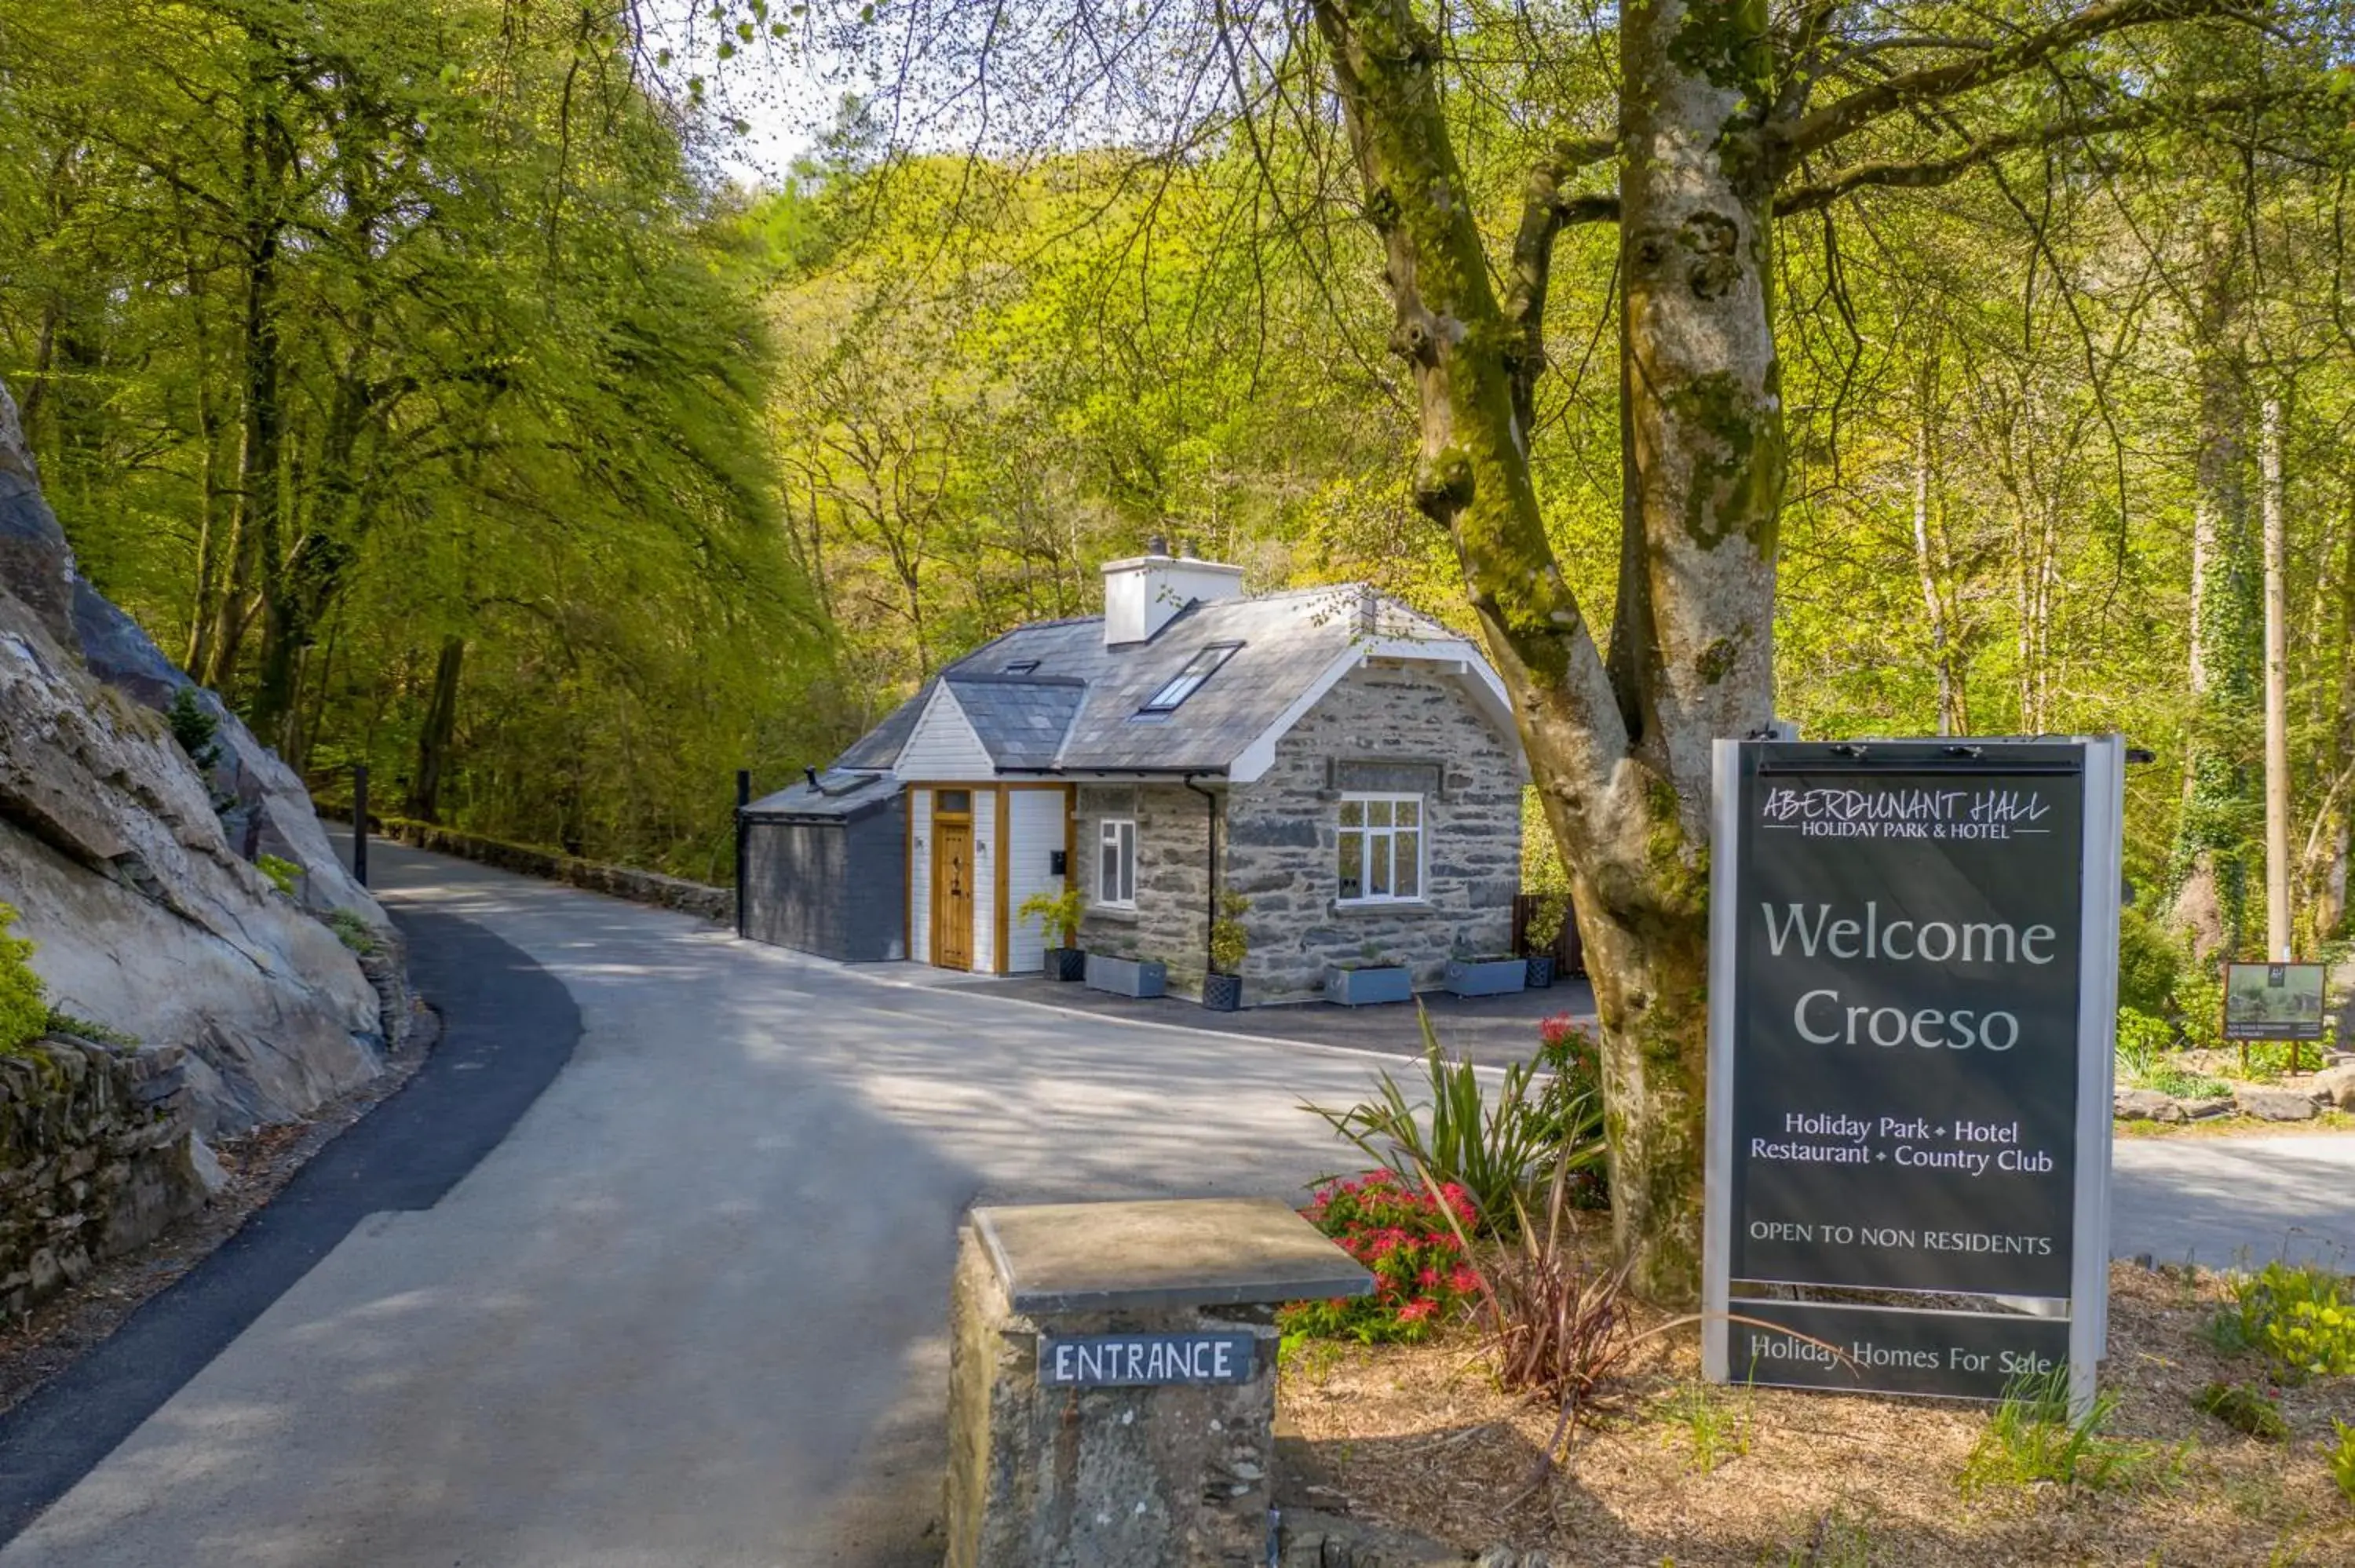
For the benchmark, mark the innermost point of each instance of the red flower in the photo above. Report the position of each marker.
(1416, 1310)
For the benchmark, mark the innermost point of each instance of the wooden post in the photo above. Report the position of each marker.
(743, 799)
(2269, 473)
(359, 823)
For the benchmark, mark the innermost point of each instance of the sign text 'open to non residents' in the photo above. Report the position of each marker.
(1144, 1361)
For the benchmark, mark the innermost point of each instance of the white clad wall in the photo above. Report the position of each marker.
(986, 845)
(1035, 832)
(942, 744)
(920, 877)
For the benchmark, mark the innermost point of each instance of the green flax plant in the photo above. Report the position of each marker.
(1454, 1132)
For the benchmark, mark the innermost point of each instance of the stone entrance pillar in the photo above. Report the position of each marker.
(1111, 1380)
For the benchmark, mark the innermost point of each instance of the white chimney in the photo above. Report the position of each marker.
(1143, 593)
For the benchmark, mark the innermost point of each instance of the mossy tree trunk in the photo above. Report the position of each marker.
(1620, 745)
(435, 734)
(2332, 835)
(252, 556)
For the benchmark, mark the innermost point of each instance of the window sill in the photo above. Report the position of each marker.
(1125, 913)
(1382, 906)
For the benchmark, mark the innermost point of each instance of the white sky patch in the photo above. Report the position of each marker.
(945, 76)
(785, 93)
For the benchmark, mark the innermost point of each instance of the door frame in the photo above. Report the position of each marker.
(941, 820)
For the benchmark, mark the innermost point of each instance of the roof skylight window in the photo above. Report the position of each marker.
(1020, 667)
(1188, 681)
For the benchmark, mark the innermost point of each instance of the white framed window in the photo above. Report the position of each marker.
(1381, 856)
(1116, 862)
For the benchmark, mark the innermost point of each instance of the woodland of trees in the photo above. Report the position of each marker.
(1898, 367)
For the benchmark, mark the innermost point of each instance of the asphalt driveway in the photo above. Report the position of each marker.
(691, 1310)
(1493, 1031)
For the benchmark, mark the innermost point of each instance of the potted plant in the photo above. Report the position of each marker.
(1369, 980)
(1539, 936)
(1485, 974)
(1123, 974)
(1059, 912)
(1223, 987)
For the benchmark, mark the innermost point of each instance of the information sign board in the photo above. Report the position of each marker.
(1914, 961)
(2273, 1001)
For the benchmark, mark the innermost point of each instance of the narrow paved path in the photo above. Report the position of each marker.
(512, 1027)
(689, 1310)
(2235, 1201)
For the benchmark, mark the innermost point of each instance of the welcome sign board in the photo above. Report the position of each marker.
(1912, 978)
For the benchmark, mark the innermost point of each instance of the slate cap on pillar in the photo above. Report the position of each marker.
(1207, 1251)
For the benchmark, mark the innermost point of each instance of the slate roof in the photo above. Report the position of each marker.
(1076, 710)
(844, 795)
(879, 747)
(1022, 719)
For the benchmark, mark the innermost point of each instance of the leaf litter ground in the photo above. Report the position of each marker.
(1419, 1437)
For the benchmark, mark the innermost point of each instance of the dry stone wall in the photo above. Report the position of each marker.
(613, 881)
(97, 1155)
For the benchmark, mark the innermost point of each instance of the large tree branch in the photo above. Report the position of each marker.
(1813, 131)
(1546, 211)
(1927, 172)
(1808, 35)
(1801, 46)
(1472, 475)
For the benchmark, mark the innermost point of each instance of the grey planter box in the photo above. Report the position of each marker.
(1364, 988)
(1127, 977)
(1495, 977)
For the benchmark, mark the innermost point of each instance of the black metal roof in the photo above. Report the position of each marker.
(841, 795)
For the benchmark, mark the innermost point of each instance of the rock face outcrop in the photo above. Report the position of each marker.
(149, 915)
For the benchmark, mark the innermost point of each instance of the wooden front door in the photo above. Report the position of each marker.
(953, 894)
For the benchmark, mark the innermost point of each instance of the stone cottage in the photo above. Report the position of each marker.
(1347, 765)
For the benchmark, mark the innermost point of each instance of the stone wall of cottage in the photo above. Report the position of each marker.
(1382, 727)
(1172, 877)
